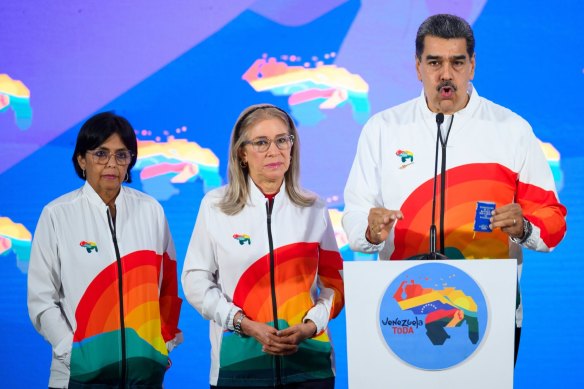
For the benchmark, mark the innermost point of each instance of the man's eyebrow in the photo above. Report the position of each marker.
(430, 57)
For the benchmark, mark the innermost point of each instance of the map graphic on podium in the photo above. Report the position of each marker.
(433, 316)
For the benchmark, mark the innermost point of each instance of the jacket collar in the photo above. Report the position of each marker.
(460, 117)
(94, 198)
(258, 198)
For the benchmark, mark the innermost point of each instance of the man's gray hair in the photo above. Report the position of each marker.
(447, 27)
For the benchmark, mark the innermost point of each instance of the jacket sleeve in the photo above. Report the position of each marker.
(44, 289)
(199, 276)
(169, 301)
(536, 193)
(331, 298)
(362, 191)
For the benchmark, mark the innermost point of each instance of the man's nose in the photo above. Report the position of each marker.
(446, 72)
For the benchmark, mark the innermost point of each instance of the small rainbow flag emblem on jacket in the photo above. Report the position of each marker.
(89, 246)
(242, 238)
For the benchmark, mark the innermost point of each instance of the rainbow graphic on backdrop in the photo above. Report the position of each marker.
(341, 238)
(16, 238)
(311, 88)
(14, 94)
(552, 155)
(175, 161)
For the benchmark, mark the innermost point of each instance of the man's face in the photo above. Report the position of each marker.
(445, 70)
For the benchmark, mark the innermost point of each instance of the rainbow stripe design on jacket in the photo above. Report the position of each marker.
(242, 361)
(150, 318)
(465, 186)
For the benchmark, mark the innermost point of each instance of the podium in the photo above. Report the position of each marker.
(430, 324)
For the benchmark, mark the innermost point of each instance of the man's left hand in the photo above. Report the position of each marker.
(509, 218)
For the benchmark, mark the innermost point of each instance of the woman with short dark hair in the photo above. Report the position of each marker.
(102, 284)
(96, 130)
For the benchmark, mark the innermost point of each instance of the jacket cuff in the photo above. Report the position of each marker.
(62, 350)
(178, 339)
(533, 241)
(319, 319)
(232, 312)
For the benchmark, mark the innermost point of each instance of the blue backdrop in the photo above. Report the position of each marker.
(182, 71)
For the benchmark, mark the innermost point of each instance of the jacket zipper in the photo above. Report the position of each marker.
(112, 227)
(277, 358)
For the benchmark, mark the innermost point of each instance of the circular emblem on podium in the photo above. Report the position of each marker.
(433, 316)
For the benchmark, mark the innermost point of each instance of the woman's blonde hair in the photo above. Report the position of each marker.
(237, 193)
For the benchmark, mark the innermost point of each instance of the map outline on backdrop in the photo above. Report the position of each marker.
(183, 83)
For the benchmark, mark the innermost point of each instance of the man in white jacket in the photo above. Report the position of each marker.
(488, 154)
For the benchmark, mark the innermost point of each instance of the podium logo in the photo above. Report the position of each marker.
(433, 316)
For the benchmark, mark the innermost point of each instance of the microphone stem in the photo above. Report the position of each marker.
(433, 225)
(443, 186)
(442, 195)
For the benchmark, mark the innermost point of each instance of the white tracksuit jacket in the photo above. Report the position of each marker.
(492, 155)
(75, 284)
(282, 268)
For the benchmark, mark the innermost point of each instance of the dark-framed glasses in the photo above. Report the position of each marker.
(102, 157)
(262, 144)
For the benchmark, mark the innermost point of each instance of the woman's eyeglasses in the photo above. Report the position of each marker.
(102, 157)
(262, 144)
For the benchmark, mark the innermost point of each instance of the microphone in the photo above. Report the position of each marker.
(442, 180)
(439, 121)
(433, 254)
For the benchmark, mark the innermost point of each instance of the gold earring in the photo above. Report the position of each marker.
(242, 163)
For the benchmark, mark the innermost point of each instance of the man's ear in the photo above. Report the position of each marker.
(472, 64)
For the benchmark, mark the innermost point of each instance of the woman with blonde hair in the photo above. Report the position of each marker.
(263, 265)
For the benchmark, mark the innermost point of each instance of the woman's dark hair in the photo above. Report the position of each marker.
(95, 132)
